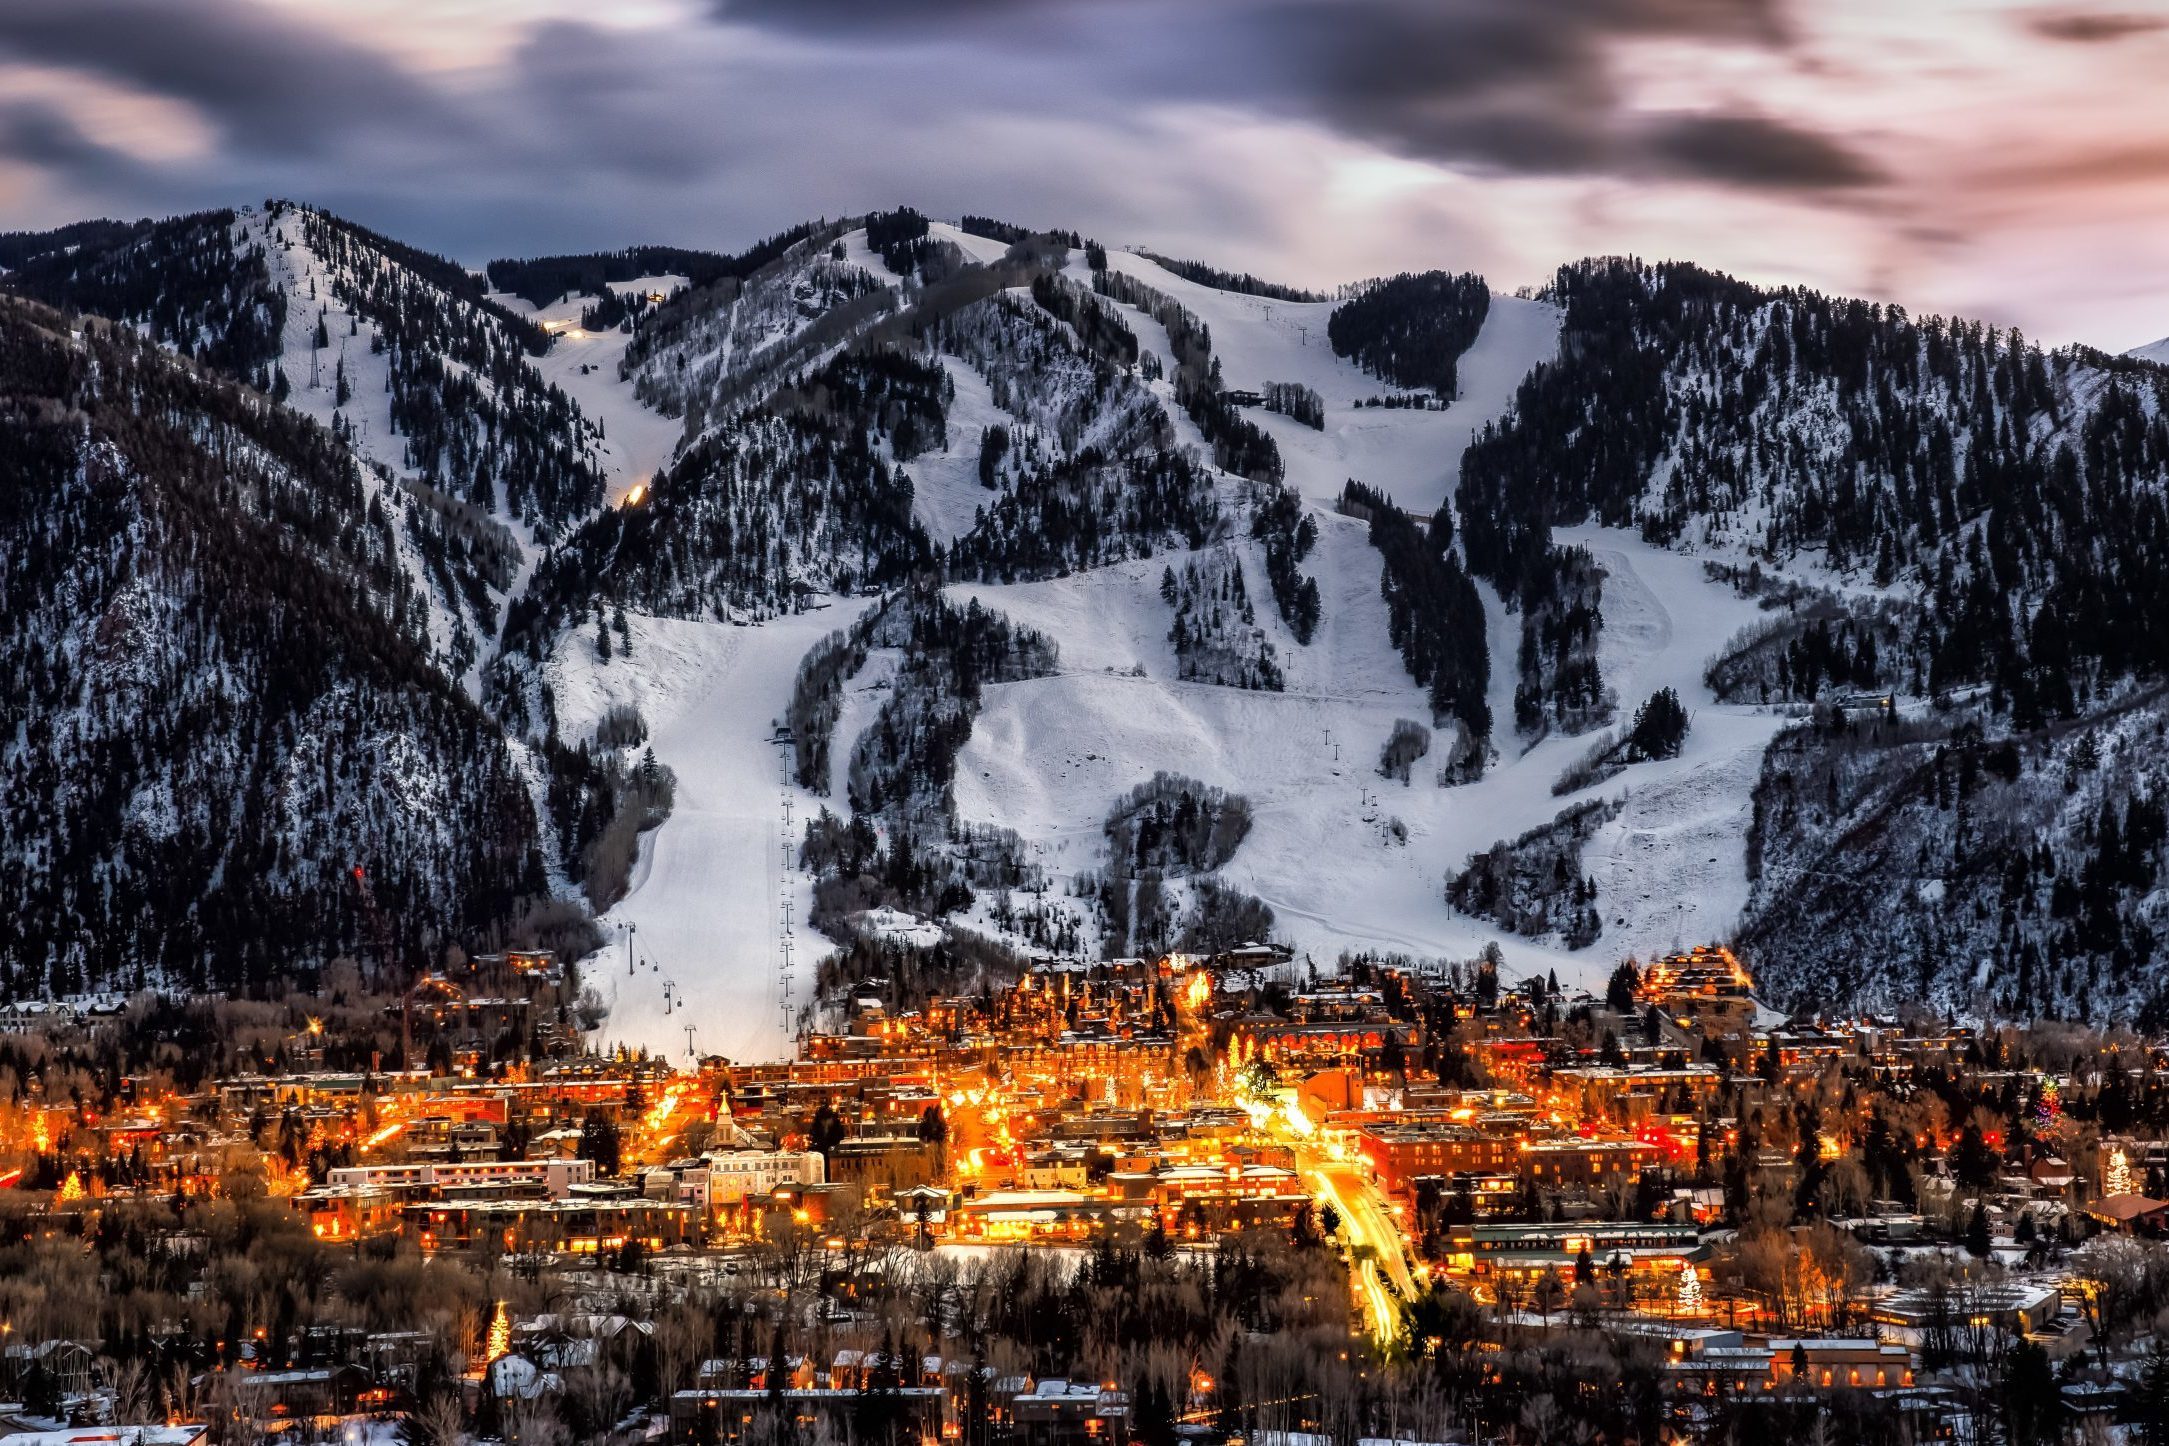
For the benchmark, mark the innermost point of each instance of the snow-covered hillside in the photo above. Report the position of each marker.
(472, 437)
(216, 705)
(1345, 859)
(1413, 456)
(1049, 758)
(635, 442)
(716, 889)
(1016, 538)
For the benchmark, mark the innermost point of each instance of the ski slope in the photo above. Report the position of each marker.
(706, 911)
(637, 442)
(1413, 455)
(1345, 859)
(1348, 860)
(1050, 756)
(946, 495)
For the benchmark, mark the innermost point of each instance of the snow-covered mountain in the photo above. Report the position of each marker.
(946, 593)
(1094, 551)
(213, 706)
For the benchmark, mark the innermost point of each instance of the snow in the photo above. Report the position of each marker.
(864, 694)
(706, 906)
(637, 441)
(1049, 756)
(982, 249)
(1413, 455)
(2156, 351)
(899, 927)
(946, 495)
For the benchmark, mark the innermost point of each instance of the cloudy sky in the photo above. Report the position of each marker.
(2008, 160)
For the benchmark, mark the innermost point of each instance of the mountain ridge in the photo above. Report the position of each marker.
(582, 502)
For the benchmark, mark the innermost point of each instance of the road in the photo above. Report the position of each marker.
(1379, 1254)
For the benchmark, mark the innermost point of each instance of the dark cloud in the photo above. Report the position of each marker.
(1503, 86)
(269, 84)
(1757, 152)
(2087, 28)
(1509, 86)
(37, 134)
(597, 96)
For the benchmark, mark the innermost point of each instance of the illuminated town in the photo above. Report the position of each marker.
(1098, 1202)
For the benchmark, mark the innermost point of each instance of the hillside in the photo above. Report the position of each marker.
(219, 694)
(846, 597)
(474, 444)
(1045, 759)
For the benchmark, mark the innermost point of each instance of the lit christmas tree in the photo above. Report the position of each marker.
(1690, 1290)
(2116, 1179)
(72, 1188)
(2050, 1109)
(500, 1341)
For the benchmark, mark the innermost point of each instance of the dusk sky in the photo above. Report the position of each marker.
(2002, 160)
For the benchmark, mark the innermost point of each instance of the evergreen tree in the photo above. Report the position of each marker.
(1659, 728)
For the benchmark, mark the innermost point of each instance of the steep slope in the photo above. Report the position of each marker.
(220, 695)
(437, 386)
(474, 453)
(1925, 508)
(914, 553)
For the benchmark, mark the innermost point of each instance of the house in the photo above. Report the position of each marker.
(2018, 1307)
(886, 1162)
(2130, 1212)
(1056, 1412)
(703, 1418)
(71, 1367)
(727, 1177)
(726, 1375)
(299, 1395)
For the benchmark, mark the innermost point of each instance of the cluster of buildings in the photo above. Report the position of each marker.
(1547, 1154)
